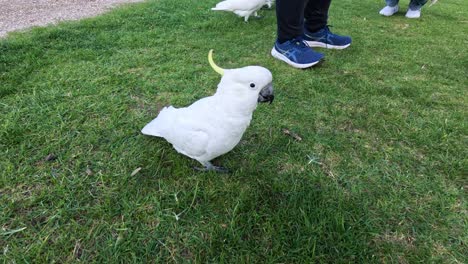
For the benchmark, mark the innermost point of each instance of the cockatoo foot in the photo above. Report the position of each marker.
(211, 167)
(257, 16)
(221, 169)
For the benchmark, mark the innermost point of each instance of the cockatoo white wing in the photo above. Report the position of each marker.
(190, 138)
(186, 128)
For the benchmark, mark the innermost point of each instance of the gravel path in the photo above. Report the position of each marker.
(22, 14)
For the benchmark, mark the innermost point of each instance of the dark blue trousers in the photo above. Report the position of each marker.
(295, 15)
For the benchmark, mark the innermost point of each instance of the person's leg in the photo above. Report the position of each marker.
(316, 32)
(414, 9)
(390, 9)
(289, 46)
(290, 19)
(417, 4)
(316, 14)
(392, 2)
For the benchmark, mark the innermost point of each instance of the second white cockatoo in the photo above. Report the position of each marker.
(214, 125)
(242, 8)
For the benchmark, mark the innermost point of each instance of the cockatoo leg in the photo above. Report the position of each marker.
(257, 16)
(246, 18)
(210, 167)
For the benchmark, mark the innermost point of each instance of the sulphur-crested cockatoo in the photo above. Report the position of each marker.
(242, 8)
(212, 126)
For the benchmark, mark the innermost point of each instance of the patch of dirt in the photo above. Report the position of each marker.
(23, 14)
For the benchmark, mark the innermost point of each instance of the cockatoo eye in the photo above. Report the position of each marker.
(252, 85)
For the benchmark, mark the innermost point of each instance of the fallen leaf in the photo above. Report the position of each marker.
(50, 157)
(292, 134)
(89, 172)
(10, 232)
(135, 171)
(77, 250)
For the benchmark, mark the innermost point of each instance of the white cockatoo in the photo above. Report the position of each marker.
(214, 125)
(242, 8)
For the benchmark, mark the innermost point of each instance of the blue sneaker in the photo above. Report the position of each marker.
(324, 38)
(296, 53)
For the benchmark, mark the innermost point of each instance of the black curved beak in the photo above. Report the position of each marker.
(266, 94)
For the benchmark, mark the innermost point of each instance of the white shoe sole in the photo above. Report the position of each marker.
(281, 57)
(316, 44)
(410, 14)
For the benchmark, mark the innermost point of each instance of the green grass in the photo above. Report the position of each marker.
(379, 177)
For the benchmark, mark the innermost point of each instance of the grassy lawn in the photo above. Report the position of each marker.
(378, 177)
